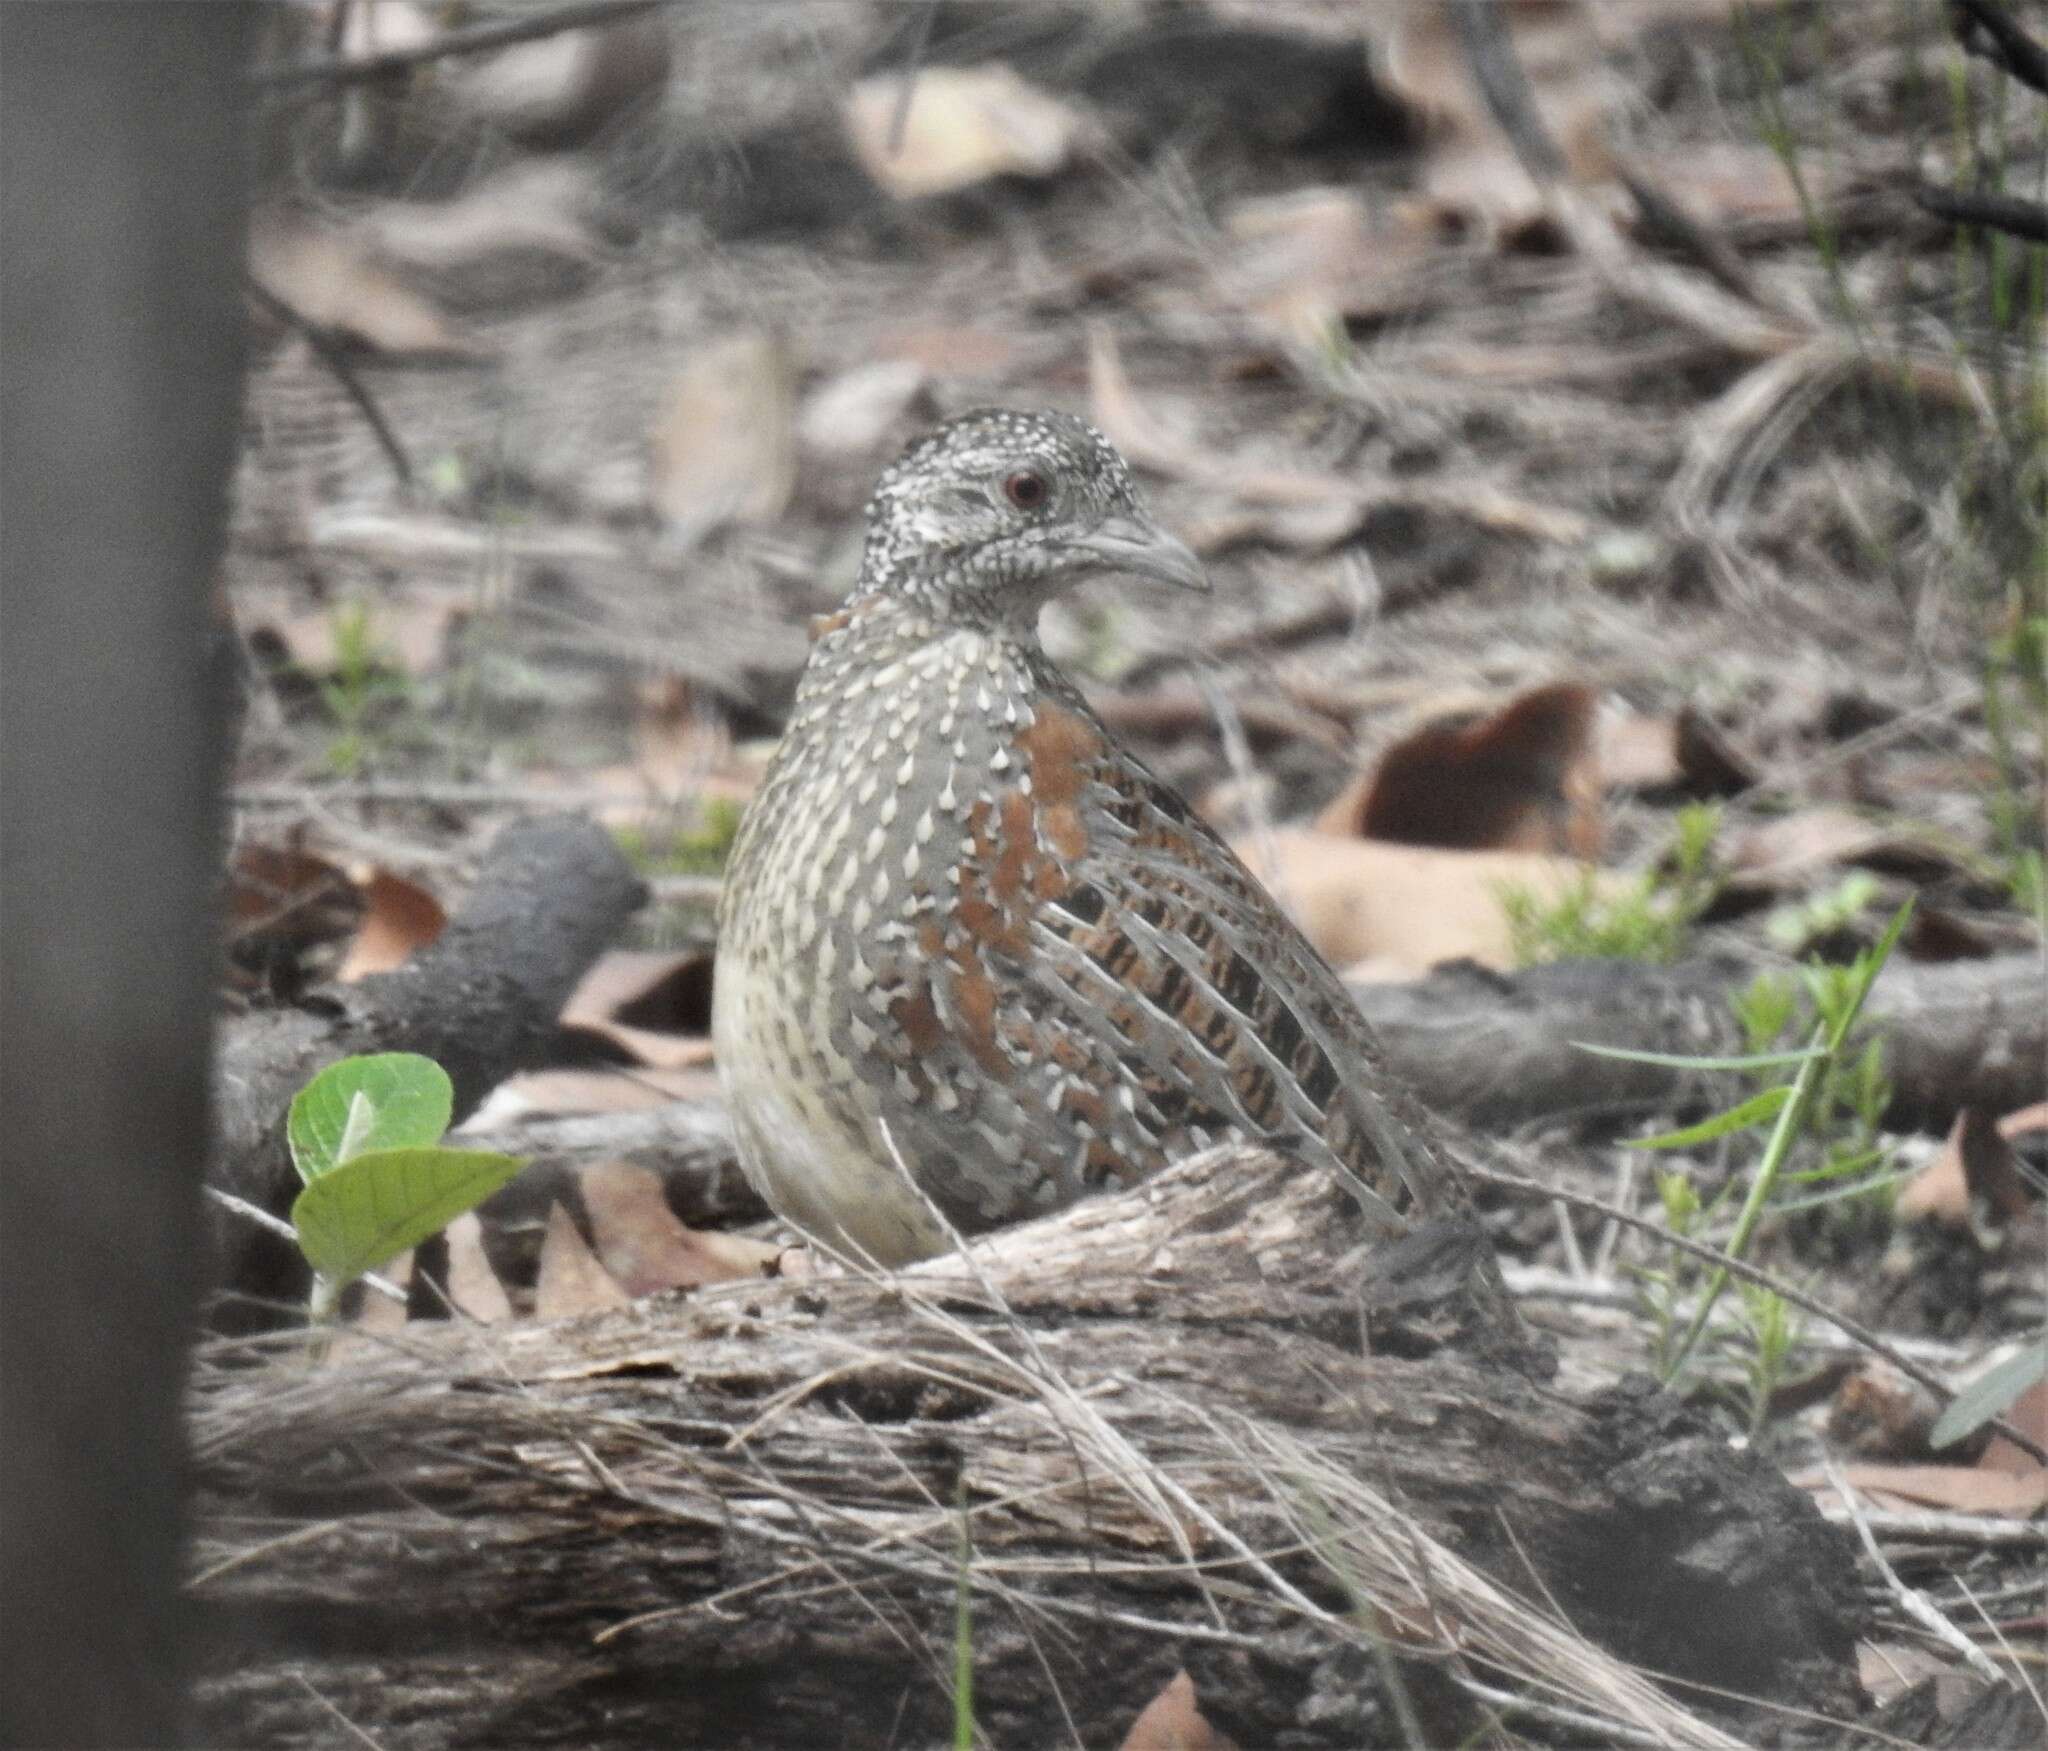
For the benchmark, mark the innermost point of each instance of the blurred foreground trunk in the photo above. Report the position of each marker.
(121, 152)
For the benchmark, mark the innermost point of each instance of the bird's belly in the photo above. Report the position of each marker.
(805, 1142)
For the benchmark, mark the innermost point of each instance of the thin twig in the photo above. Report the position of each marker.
(476, 40)
(913, 62)
(2007, 213)
(1986, 29)
(1916, 1605)
(285, 1231)
(1528, 1188)
(337, 361)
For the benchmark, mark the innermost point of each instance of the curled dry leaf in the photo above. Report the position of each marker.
(1523, 778)
(472, 1284)
(1300, 263)
(1404, 909)
(287, 903)
(1878, 1414)
(1976, 1171)
(399, 918)
(641, 1243)
(330, 280)
(561, 90)
(1686, 751)
(654, 1008)
(523, 218)
(571, 1280)
(964, 125)
(849, 416)
(1173, 1721)
(723, 449)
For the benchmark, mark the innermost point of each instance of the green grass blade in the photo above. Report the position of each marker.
(1753, 1111)
(1677, 1061)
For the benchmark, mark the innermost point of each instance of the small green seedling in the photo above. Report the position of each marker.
(1650, 921)
(365, 1135)
(1828, 1080)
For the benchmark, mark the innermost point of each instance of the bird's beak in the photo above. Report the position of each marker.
(1131, 544)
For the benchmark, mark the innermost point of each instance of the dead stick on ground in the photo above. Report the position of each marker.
(337, 362)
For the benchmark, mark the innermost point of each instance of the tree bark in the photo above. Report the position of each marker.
(745, 1518)
(120, 385)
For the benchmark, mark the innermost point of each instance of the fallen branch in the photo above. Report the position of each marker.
(1995, 212)
(1497, 1050)
(551, 895)
(1986, 29)
(1140, 1434)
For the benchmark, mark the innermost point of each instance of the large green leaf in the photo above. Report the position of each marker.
(373, 1206)
(388, 1100)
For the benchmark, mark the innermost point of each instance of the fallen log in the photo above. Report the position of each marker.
(1498, 1049)
(1139, 1437)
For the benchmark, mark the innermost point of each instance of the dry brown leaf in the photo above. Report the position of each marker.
(1406, 908)
(848, 417)
(290, 911)
(1784, 852)
(964, 126)
(1976, 1169)
(399, 918)
(1147, 441)
(2029, 1414)
(472, 1285)
(538, 210)
(1173, 1721)
(559, 1093)
(1877, 1413)
(329, 279)
(560, 90)
(1638, 751)
(723, 449)
(641, 1243)
(1300, 263)
(1962, 1489)
(571, 1280)
(656, 1008)
(1522, 778)
(1685, 751)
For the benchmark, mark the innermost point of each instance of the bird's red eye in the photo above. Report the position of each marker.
(1026, 490)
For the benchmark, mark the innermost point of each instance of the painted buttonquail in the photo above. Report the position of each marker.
(974, 957)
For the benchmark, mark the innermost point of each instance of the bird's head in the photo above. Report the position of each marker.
(995, 513)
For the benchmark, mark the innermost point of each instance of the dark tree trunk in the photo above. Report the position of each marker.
(122, 207)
